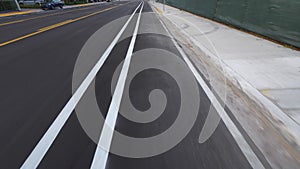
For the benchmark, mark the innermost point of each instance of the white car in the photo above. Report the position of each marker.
(30, 2)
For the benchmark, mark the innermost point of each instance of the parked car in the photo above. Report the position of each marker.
(52, 4)
(30, 2)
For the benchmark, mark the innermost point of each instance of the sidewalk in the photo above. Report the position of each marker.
(265, 71)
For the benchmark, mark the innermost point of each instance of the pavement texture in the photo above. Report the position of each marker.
(167, 116)
(267, 72)
(29, 11)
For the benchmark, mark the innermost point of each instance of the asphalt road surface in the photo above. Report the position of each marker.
(55, 66)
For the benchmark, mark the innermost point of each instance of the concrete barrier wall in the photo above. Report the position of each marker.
(276, 19)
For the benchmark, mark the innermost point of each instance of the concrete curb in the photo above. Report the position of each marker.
(287, 127)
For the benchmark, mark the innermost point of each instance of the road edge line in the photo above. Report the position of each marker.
(238, 137)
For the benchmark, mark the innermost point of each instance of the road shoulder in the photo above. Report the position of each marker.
(259, 117)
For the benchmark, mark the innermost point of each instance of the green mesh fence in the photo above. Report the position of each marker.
(277, 19)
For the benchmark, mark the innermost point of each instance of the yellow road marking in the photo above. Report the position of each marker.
(19, 38)
(85, 4)
(17, 13)
(43, 16)
(55, 26)
(95, 13)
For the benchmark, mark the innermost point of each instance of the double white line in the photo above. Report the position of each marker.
(104, 143)
(102, 149)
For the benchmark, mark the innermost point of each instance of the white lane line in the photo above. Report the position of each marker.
(48, 138)
(102, 150)
(238, 137)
